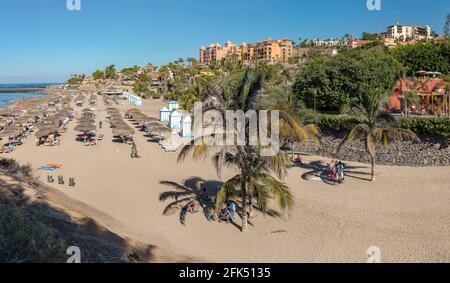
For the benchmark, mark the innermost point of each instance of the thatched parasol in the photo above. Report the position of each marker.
(123, 131)
(11, 131)
(133, 110)
(85, 128)
(161, 129)
(88, 114)
(86, 120)
(24, 119)
(45, 132)
(153, 124)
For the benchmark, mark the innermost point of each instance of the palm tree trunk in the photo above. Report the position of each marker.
(406, 106)
(250, 207)
(372, 172)
(244, 206)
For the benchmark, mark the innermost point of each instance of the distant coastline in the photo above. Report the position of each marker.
(9, 93)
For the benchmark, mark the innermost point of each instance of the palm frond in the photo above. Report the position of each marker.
(277, 164)
(262, 196)
(358, 132)
(176, 205)
(227, 190)
(172, 195)
(278, 190)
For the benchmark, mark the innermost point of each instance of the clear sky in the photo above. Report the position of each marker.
(42, 41)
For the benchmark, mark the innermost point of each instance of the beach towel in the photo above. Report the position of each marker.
(54, 165)
(44, 168)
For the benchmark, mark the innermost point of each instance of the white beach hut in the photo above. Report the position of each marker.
(186, 131)
(175, 120)
(173, 105)
(164, 115)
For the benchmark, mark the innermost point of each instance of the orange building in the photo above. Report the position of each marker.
(269, 49)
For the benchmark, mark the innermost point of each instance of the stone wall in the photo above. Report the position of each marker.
(430, 151)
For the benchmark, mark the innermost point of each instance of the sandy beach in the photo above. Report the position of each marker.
(405, 212)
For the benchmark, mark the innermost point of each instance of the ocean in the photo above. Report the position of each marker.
(11, 92)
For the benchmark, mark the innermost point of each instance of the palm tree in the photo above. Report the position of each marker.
(240, 91)
(376, 125)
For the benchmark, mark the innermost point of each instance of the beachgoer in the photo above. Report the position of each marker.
(204, 196)
(340, 171)
(231, 209)
(334, 170)
(100, 124)
(134, 153)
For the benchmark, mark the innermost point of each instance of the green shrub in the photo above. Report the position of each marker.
(438, 127)
(25, 240)
(336, 122)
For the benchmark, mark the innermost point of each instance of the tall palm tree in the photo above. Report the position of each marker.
(240, 91)
(376, 125)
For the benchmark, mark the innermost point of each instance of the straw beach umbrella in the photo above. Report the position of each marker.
(45, 132)
(12, 131)
(123, 131)
(85, 128)
(88, 114)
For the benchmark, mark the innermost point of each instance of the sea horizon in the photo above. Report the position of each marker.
(6, 98)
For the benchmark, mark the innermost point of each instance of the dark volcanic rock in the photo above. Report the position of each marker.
(431, 151)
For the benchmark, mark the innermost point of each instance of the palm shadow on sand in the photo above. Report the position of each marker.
(318, 169)
(184, 194)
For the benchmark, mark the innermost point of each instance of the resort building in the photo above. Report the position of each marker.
(355, 43)
(271, 50)
(405, 33)
(329, 42)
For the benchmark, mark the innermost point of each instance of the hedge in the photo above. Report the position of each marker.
(438, 127)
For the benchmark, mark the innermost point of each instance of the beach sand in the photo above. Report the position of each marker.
(405, 212)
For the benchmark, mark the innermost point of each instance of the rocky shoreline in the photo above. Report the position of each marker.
(431, 151)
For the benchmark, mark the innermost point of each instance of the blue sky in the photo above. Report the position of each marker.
(42, 41)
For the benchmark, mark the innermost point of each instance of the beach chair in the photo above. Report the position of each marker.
(61, 180)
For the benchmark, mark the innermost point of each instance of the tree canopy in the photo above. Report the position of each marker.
(98, 74)
(424, 56)
(330, 82)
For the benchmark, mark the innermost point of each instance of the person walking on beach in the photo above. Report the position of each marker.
(340, 171)
(134, 153)
(100, 124)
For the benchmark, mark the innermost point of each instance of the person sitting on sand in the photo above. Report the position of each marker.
(204, 195)
(4, 149)
(297, 158)
(334, 170)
